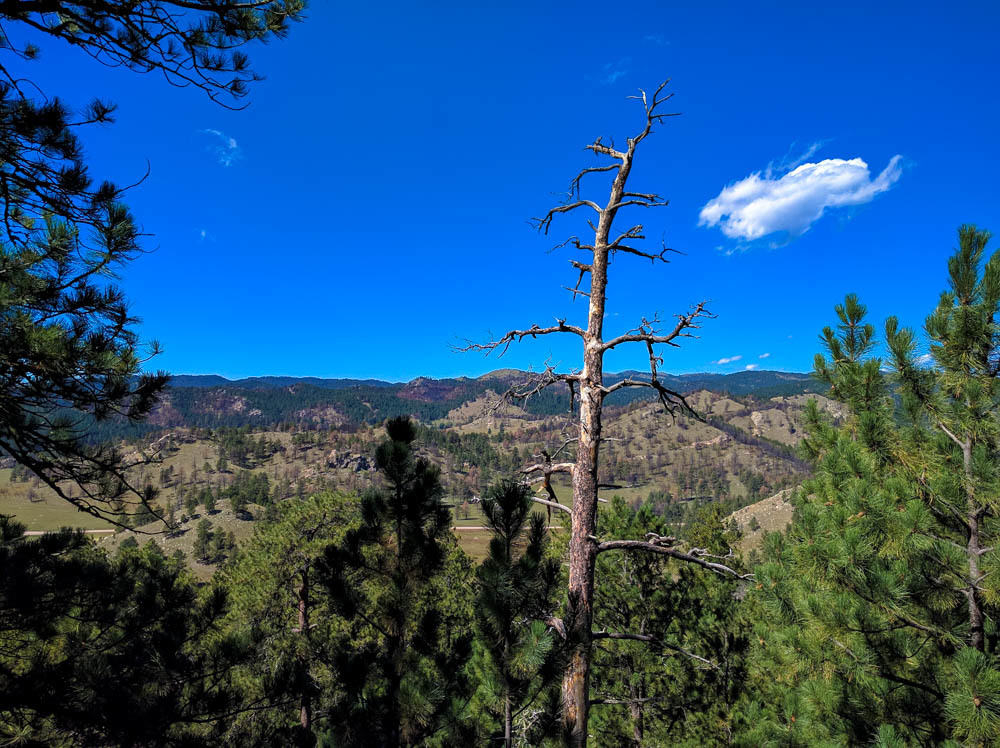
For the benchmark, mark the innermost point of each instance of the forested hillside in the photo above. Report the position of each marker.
(736, 451)
(270, 402)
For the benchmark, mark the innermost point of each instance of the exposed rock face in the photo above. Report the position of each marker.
(348, 461)
(322, 415)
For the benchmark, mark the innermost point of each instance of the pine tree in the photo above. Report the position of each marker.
(886, 616)
(104, 651)
(588, 387)
(285, 615)
(202, 540)
(399, 580)
(209, 500)
(519, 662)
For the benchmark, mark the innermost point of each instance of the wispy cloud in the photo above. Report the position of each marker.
(728, 360)
(789, 161)
(658, 39)
(612, 71)
(752, 367)
(925, 360)
(226, 150)
(764, 355)
(764, 203)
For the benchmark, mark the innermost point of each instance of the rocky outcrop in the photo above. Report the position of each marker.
(349, 461)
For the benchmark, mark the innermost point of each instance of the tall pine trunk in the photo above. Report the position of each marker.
(508, 721)
(305, 697)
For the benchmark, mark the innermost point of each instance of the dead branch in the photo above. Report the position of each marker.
(652, 115)
(663, 546)
(574, 185)
(653, 640)
(517, 336)
(542, 224)
(547, 467)
(644, 700)
(598, 147)
(646, 332)
(557, 625)
(552, 504)
(672, 402)
(524, 391)
(642, 203)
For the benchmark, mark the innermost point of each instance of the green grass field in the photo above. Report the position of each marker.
(39, 508)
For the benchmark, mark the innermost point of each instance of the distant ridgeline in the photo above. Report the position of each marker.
(212, 401)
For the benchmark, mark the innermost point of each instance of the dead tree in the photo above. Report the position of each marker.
(587, 386)
(542, 471)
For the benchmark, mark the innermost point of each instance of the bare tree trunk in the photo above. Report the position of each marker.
(636, 711)
(582, 559)
(508, 721)
(589, 382)
(305, 699)
(582, 548)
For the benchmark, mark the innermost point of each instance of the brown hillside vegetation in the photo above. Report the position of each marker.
(772, 514)
(738, 454)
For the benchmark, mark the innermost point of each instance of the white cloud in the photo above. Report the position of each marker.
(729, 360)
(764, 355)
(227, 151)
(612, 71)
(203, 234)
(765, 204)
(751, 367)
(925, 360)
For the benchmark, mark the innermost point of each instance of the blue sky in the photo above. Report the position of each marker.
(369, 210)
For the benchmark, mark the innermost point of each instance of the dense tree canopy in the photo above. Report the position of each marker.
(98, 650)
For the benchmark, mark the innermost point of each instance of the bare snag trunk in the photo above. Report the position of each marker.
(305, 703)
(589, 386)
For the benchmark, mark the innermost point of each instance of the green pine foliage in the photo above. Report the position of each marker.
(104, 651)
(517, 662)
(876, 615)
(69, 352)
(401, 583)
(287, 622)
(67, 344)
